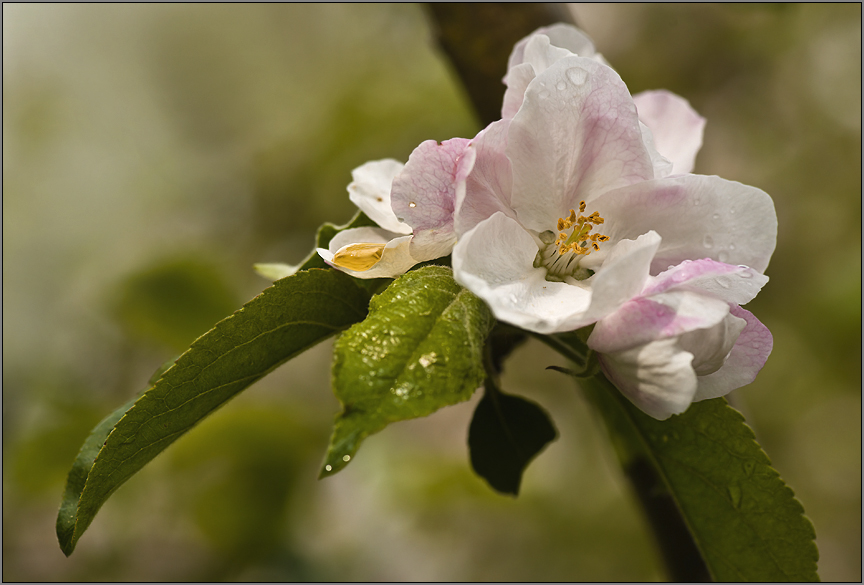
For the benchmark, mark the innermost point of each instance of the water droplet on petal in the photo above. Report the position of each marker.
(723, 256)
(577, 75)
(708, 242)
(561, 86)
(543, 94)
(715, 217)
(696, 201)
(723, 282)
(735, 495)
(746, 274)
(412, 204)
(731, 246)
(732, 210)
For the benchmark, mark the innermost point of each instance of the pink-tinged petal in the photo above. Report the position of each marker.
(483, 179)
(676, 126)
(370, 191)
(424, 196)
(495, 261)
(643, 320)
(697, 217)
(747, 357)
(656, 377)
(733, 284)
(622, 275)
(576, 136)
(395, 259)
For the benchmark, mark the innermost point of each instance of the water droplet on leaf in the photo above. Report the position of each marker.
(328, 468)
(345, 458)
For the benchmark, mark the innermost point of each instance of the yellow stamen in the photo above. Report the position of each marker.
(581, 234)
(359, 257)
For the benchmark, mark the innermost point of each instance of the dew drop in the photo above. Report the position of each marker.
(328, 468)
(561, 86)
(543, 94)
(412, 204)
(715, 217)
(577, 75)
(346, 458)
(723, 282)
(723, 256)
(747, 274)
(735, 495)
(708, 242)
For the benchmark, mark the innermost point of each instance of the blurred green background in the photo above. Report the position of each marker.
(153, 153)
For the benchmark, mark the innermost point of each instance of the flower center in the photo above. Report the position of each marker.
(562, 256)
(358, 257)
(580, 241)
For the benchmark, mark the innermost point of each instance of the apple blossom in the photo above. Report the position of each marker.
(413, 206)
(684, 338)
(671, 128)
(576, 143)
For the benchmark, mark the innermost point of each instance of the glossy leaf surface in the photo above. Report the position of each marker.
(421, 348)
(743, 518)
(284, 320)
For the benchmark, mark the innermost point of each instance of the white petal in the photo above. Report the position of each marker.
(747, 357)
(697, 217)
(733, 284)
(656, 377)
(676, 126)
(662, 165)
(483, 178)
(622, 275)
(662, 316)
(370, 191)
(395, 259)
(560, 35)
(711, 346)
(495, 261)
(517, 80)
(424, 196)
(576, 136)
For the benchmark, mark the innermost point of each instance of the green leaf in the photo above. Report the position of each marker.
(421, 348)
(506, 433)
(284, 320)
(743, 518)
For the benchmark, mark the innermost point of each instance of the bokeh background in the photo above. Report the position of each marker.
(153, 153)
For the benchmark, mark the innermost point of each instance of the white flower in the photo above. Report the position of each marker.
(413, 205)
(671, 129)
(563, 214)
(684, 338)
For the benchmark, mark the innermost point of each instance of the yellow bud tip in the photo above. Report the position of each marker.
(358, 257)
